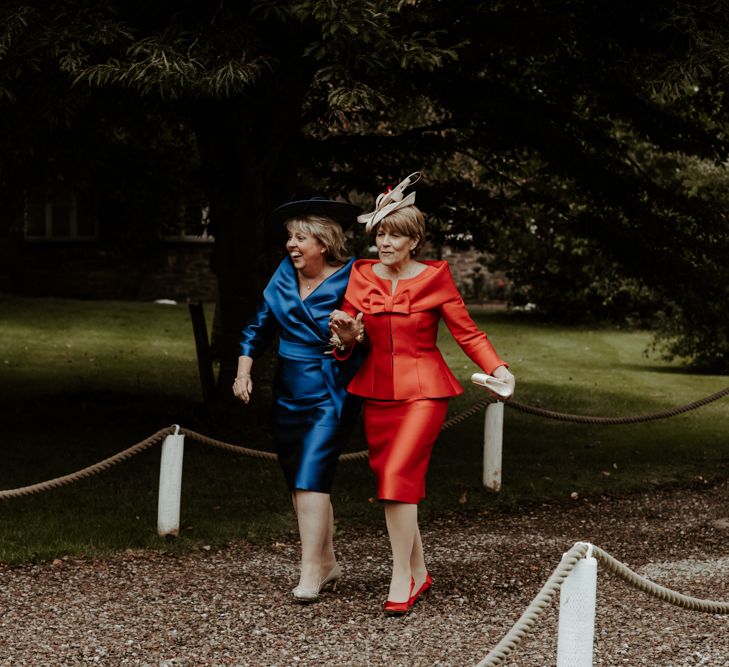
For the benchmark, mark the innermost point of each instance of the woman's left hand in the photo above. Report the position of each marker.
(503, 374)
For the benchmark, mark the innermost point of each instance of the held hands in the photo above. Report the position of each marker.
(345, 327)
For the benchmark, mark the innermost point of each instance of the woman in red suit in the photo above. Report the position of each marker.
(398, 301)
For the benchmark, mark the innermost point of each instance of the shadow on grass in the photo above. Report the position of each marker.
(672, 370)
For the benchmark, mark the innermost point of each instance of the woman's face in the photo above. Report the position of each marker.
(305, 250)
(394, 249)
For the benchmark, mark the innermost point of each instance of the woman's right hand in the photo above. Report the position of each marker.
(243, 388)
(503, 374)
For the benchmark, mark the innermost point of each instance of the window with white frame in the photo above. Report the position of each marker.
(63, 218)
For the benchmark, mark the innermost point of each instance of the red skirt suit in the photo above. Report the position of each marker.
(404, 378)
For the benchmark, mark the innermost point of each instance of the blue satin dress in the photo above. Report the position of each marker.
(313, 413)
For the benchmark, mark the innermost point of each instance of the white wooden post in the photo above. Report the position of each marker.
(170, 484)
(576, 632)
(493, 436)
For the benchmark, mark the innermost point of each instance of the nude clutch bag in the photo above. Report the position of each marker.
(494, 385)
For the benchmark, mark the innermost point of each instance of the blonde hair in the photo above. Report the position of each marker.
(325, 230)
(408, 221)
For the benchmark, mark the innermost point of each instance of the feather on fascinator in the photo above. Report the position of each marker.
(390, 201)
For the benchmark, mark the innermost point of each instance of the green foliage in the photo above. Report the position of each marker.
(582, 144)
(551, 145)
(225, 51)
(172, 65)
(703, 340)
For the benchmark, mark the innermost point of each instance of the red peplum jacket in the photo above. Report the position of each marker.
(403, 360)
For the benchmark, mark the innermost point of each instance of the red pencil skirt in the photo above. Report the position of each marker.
(400, 437)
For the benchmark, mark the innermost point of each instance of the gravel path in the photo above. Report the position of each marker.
(233, 606)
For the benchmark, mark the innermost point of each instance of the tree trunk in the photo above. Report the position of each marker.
(247, 151)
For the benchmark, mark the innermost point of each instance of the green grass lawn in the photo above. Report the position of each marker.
(80, 381)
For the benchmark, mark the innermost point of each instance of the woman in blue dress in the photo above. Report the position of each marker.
(313, 414)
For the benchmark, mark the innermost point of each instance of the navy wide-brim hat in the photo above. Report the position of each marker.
(340, 211)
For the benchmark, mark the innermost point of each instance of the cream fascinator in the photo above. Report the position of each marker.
(390, 201)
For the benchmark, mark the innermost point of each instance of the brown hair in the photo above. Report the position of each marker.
(408, 221)
(327, 231)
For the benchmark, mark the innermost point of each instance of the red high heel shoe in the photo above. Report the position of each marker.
(400, 608)
(423, 591)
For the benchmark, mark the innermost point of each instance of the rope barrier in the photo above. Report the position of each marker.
(526, 622)
(236, 449)
(656, 590)
(468, 412)
(255, 453)
(635, 419)
(511, 640)
(199, 437)
(349, 456)
(90, 470)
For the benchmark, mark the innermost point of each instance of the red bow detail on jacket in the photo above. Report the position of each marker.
(385, 303)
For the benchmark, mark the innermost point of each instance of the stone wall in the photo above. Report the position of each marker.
(166, 270)
(476, 284)
(172, 270)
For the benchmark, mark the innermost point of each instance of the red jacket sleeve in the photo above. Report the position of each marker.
(465, 332)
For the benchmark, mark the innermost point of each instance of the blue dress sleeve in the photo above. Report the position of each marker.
(258, 332)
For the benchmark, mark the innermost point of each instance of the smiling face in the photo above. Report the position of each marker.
(306, 251)
(393, 248)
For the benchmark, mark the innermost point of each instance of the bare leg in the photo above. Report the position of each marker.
(328, 558)
(402, 527)
(313, 511)
(417, 559)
